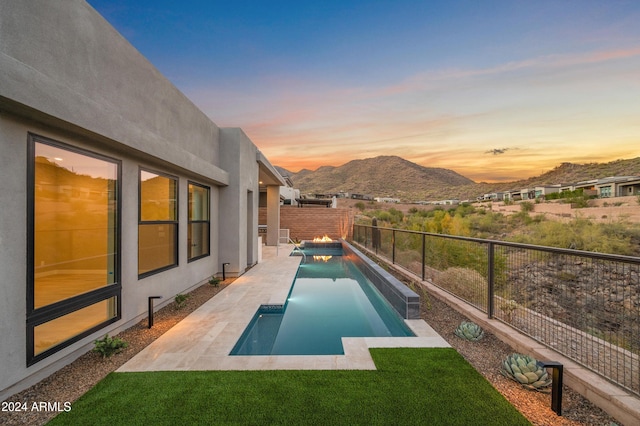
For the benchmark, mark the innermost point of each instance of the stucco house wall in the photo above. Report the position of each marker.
(67, 75)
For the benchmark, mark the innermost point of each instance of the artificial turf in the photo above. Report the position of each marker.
(425, 386)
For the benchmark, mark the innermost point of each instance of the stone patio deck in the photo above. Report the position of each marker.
(203, 340)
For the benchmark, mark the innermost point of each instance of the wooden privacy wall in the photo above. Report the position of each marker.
(313, 221)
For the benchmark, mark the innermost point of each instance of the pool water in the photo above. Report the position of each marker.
(329, 299)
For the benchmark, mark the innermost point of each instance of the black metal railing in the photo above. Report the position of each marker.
(582, 304)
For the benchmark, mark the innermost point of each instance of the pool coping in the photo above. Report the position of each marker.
(203, 340)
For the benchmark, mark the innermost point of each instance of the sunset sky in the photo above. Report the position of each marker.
(495, 90)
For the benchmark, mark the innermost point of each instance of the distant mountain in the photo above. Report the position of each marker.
(567, 173)
(391, 176)
(384, 176)
(571, 173)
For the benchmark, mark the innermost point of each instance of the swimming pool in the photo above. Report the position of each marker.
(330, 298)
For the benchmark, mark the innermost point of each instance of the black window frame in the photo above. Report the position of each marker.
(41, 315)
(189, 221)
(174, 222)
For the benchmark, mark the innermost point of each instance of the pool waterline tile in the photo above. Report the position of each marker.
(187, 346)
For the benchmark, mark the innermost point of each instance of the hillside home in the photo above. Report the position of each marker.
(492, 196)
(116, 188)
(288, 194)
(629, 188)
(451, 202)
(587, 186)
(618, 186)
(512, 195)
(361, 197)
(538, 191)
(386, 200)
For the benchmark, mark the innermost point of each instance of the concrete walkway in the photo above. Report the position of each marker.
(203, 340)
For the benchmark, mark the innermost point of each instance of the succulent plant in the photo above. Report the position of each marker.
(525, 370)
(469, 331)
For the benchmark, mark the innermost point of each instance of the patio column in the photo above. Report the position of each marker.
(273, 215)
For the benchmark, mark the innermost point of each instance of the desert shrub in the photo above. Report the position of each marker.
(465, 283)
(385, 217)
(465, 209)
(108, 346)
(396, 215)
(180, 300)
(489, 223)
(446, 222)
(578, 202)
(520, 218)
(407, 242)
(581, 234)
(526, 206)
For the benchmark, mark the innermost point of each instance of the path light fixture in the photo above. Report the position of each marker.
(224, 276)
(556, 384)
(151, 298)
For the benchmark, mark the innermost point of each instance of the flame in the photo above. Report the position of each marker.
(323, 258)
(324, 239)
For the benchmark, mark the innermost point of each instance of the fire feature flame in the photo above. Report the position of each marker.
(324, 239)
(323, 258)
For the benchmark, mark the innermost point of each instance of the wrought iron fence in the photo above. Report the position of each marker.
(584, 305)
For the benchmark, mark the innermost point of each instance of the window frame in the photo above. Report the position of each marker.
(41, 315)
(189, 221)
(174, 222)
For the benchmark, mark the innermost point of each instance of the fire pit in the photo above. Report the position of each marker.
(322, 242)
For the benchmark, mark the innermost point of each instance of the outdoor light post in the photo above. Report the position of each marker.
(556, 384)
(151, 309)
(224, 276)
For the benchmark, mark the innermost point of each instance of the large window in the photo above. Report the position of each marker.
(73, 242)
(158, 223)
(198, 238)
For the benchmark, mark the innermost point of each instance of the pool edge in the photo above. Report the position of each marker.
(404, 300)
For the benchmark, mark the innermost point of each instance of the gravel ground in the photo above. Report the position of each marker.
(486, 355)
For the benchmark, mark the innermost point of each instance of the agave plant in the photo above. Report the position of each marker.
(469, 331)
(526, 371)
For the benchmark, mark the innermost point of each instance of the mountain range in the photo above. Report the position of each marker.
(395, 177)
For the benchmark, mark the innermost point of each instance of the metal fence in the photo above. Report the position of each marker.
(584, 305)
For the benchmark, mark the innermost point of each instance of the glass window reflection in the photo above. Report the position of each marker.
(75, 216)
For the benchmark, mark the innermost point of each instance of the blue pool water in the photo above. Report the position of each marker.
(329, 299)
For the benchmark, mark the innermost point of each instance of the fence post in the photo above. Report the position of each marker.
(423, 253)
(393, 247)
(490, 279)
(366, 238)
(375, 235)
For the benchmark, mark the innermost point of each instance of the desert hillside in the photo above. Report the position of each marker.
(392, 176)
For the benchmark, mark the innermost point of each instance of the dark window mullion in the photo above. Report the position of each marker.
(67, 306)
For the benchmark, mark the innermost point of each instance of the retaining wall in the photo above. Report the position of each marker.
(603, 210)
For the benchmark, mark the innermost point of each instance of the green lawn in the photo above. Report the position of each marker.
(410, 386)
